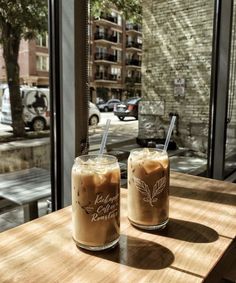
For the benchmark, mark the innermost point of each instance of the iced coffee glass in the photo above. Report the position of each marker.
(96, 201)
(148, 188)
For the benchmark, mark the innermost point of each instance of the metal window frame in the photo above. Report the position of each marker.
(219, 87)
(68, 92)
(55, 133)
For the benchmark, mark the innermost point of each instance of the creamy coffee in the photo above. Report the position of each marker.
(96, 201)
(148, 188)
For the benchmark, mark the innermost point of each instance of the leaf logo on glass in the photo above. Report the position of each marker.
(150, 196)
(103, 208)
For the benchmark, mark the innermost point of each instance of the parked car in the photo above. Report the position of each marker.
(109, 105)
(35, 102)
(129, 108)
(94, 114)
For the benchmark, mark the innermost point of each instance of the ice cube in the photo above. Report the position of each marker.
(151, 166)
(115, 176)
(99, 179)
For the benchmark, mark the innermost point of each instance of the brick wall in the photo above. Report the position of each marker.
(177, 43)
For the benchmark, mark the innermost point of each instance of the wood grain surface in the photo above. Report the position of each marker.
(202, 225)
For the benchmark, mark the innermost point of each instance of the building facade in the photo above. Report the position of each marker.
(176, 73)
(33, 61)
(115, 55)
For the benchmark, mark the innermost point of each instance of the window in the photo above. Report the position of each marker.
(139, 39)
(117, 53)
(100, 49)
(42, 63)
(119, 37)
(116, 71)
(119, 20)
(42, 40)
(25, 166)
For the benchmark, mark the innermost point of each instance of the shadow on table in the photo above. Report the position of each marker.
(138, 253)
(187, 231)
(205, 195)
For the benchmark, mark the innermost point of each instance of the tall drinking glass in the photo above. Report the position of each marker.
(96, 201)
(148, 188)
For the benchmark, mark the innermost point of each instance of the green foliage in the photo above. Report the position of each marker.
(131, 9)
(25, 18)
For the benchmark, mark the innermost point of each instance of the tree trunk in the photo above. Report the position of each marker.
(11, 44)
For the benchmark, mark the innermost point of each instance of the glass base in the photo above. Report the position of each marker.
(98, 248)
(150, 227)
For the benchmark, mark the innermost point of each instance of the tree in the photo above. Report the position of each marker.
(131, 9)
(19, 19)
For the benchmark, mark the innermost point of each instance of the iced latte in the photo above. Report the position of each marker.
(96, 201)
(148, 188)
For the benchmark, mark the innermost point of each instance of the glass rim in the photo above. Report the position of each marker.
(110, 159)
(150, 148)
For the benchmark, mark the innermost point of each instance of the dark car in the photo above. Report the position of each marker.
(129, 108)
(108, 106)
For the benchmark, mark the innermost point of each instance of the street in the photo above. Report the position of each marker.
(118, 130)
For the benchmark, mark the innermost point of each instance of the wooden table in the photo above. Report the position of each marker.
(26, 188)
(202, 226)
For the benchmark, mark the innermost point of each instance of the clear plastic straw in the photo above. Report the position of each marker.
(171, 127)
(104, 137)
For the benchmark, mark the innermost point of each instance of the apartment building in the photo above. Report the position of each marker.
(115, 55)
(33, 61)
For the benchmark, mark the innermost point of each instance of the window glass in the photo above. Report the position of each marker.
(25, 185)
(42, 40)
(42, 63)
(119, 20)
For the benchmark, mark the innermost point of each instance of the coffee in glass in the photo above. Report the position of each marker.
(96, 201)
(148, 188)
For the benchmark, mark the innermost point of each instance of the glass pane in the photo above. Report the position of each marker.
(167, 62)
(176, 79)
(25, 189)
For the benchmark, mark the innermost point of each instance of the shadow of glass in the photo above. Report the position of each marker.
(137, 253)
(187, 231)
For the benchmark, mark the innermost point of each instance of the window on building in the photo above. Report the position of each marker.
(101, 49)
(117, 53)
(42, 63)
(119, 20)
(115, 71)
(42, 40)
(139, 39)
(129, 38)
(119, 37)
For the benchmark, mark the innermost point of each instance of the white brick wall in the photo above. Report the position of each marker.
(177, 43)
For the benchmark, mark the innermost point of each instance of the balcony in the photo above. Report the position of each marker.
(105, 77)
(105, 36)
(135, 80)
(109, 18)
(133, 62)
(134, 27)
(133, 44)
(105, 57)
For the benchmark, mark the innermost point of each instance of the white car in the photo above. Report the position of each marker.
(94, 114)
(36, 110)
